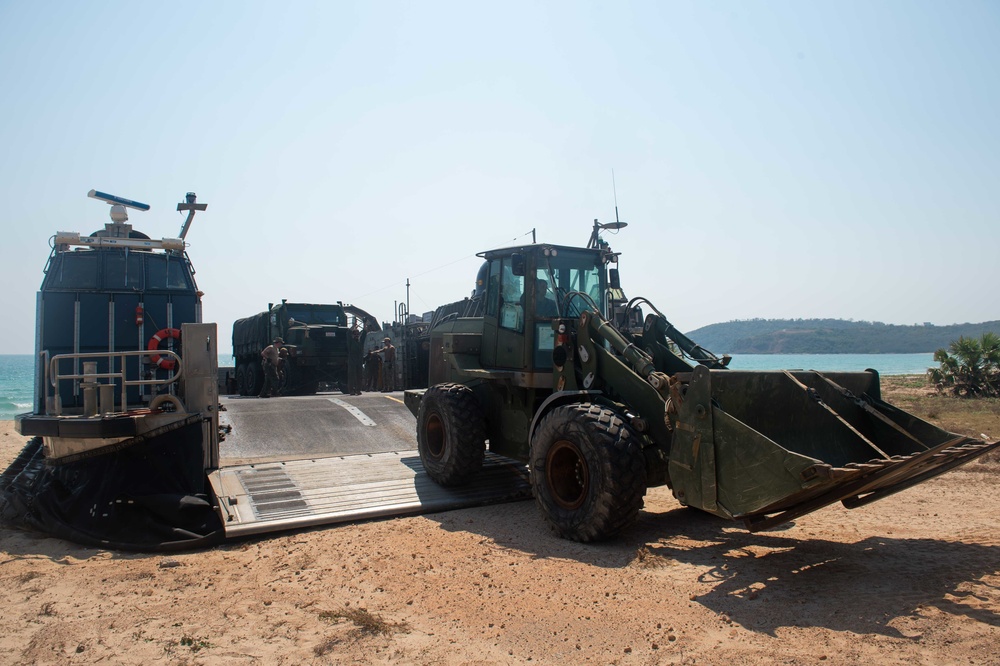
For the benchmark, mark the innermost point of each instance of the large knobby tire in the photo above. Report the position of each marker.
(255, 378)
(241, 380)
(287, 380)
(451, 434)
(588, 473)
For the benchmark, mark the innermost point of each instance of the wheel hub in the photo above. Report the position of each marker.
(434, 436)
(567, 474)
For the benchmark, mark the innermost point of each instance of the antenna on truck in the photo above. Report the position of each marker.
(614, 189)
(191, 207)
(595, 237)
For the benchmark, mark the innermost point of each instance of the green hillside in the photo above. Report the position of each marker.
(830, 336)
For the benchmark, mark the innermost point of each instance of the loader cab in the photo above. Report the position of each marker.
(526, 288)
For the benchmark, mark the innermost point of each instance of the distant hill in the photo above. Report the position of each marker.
(830, 336)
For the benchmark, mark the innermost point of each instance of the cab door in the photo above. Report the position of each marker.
(503, 334)
(488, 351)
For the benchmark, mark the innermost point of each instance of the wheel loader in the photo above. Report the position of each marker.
(553, 375)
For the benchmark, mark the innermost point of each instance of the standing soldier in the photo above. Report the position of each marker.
(388, 353)
(354, 361)
(283, 387)
(372, 363)
(270, 358)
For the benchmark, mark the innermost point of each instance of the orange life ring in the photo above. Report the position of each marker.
(154, 343)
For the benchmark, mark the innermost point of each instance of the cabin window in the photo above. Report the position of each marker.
(493, 289)
(576, 280)
(77, 270)
(166, 273)
(331, 316)
(511, 298)
(545, 342)
(123, 270)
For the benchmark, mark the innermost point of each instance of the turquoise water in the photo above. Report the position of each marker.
(886, 364)
(17, 370)
(16, 384)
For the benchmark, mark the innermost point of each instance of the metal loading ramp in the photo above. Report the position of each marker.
(284, 495)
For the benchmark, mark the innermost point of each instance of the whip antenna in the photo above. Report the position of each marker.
(615, 191)
(617, 224)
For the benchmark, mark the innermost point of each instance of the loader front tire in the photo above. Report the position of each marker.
(588, 473)
(451, 434)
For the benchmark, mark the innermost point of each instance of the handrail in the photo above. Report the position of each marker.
(53, 376)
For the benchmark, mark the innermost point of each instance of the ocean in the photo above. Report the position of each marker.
(17, 370)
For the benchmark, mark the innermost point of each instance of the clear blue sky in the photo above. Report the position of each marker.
(773, 159)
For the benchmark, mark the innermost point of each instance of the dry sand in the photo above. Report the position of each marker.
(912, 579)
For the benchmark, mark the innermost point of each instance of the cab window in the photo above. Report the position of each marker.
(511, 298)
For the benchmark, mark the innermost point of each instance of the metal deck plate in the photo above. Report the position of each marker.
(301, 493)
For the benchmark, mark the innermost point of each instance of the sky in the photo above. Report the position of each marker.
(771, 159)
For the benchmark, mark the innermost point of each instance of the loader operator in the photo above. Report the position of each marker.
(544, 306)
(270, 358)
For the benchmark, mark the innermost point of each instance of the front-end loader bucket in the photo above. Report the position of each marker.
(767, 447)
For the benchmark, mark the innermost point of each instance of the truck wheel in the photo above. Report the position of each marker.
(255, 378)
(588, 473)
(241, 380)
(286, 382)
(451, 434)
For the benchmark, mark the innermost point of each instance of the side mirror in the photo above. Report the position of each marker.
(517, 264)
(614, 279)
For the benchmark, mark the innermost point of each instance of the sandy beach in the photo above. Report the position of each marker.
(912, 579)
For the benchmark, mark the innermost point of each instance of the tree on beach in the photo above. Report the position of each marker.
(972, 369)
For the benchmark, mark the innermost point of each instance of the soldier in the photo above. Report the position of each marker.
(372, 363)
(388, 354)
(270, 357)
(354, 361)
(282, 370)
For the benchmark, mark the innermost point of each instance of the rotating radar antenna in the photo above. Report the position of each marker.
(118, 205)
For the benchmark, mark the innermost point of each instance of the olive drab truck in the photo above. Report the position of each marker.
(315, 337)
(555, 374)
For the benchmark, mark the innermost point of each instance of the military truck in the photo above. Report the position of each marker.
(601, 412)
(315, 337)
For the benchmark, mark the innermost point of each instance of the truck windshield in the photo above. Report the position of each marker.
(330, 315)
(571, 276)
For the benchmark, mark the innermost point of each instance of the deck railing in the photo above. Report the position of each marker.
(99, 397)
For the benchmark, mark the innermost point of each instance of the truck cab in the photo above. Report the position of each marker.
(526, 289)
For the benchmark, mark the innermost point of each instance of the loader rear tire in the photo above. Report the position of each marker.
(588, 473)
(451, 434)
